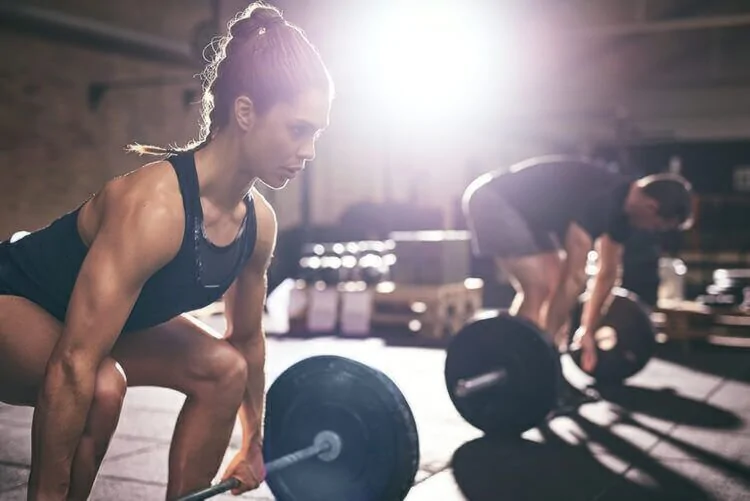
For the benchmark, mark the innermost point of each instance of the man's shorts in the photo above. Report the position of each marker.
(498, 229)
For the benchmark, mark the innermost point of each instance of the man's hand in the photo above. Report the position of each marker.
(247, 467)
(610, 260)
(584, 340)
(562, 338)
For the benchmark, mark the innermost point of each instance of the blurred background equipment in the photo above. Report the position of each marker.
(431, 257)
(414, 283)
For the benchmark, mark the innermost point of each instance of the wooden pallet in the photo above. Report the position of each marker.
(430, 311)
(683, 320)
(690, 320)
(731, 327)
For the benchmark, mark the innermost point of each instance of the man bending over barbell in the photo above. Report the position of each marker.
(540, 219)
(94, 301)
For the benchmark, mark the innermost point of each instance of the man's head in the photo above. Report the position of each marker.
(660, 202)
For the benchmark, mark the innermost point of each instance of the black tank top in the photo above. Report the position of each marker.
(43, 266)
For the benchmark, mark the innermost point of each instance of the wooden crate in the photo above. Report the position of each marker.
(690, 320)
(684, 320)
(431, 311)
(731, 327)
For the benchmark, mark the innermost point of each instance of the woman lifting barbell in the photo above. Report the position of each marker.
(93, 301)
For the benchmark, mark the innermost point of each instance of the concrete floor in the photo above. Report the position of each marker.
(678, 431)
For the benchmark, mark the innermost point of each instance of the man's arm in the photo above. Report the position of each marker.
(572, 278)
(135, 237)
(610, 258)
(243, 306)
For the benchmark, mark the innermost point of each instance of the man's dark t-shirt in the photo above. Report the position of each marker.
(552, 194)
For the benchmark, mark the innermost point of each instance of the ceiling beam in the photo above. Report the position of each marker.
(94, 34)
(666, 26)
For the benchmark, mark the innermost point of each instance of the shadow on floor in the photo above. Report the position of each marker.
(487, 469)
(667, 405)
(723, 361)
(490, 468)
(709, 458)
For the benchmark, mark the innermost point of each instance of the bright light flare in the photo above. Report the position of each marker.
(431, 56)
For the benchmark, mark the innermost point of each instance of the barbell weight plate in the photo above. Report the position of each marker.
(380, 447)
(528, 392)
(625, 336)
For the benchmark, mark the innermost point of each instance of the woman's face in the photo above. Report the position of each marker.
(280, 141)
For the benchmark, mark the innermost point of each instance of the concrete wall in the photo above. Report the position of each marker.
(54, 150)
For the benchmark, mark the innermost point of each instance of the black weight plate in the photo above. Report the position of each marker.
(531, 365)
(626, 339)
(380, 452)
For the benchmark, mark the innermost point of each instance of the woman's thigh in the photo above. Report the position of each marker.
(27, 336)
(179, 354)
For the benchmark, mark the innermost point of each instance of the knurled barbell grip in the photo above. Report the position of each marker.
(330, 443)
(466, 387)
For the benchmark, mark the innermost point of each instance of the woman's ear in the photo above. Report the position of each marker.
(244, 113)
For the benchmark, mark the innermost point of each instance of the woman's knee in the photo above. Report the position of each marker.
(221, 367)
(110, 390)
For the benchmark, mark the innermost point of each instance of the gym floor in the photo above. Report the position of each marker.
(678, 431)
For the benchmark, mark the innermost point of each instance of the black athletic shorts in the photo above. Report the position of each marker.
(498, 229)
(5, 288)
(5, 283)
